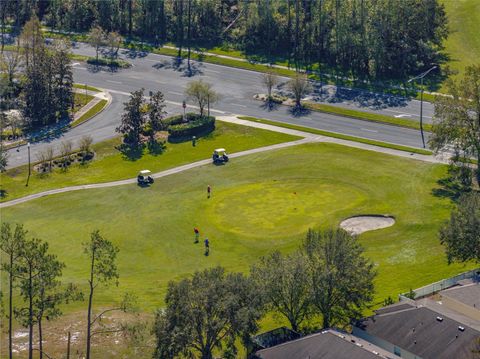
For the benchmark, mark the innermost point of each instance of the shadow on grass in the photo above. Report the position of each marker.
(130, 152)
(156, 148)
(3, 193)
(450, 187)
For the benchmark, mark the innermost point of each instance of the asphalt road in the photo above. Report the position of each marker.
(236, 87)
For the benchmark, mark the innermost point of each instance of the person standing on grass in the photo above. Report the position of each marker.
(197, 234)
(207, 246)
(209, 191)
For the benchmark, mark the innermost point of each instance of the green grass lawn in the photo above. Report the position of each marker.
(260, 203)
(111, 165)
(463, 43)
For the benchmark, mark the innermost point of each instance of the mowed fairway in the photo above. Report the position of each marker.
(259, 203)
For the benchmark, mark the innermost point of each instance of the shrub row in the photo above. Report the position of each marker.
(196, 125)
(107, 62)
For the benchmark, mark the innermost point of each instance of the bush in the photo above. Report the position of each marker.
(107, 62)
(196, 125)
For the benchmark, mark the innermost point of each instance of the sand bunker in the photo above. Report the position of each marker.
(359, 224)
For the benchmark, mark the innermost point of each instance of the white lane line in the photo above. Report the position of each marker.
(80, 68)
(402, 115)
(236, 104)
(76, 63)
(175, 93)
(366, 129)
(114, 82)
(405, 113)
(216, 72)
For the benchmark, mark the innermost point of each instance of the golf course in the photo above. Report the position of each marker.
(260, 202)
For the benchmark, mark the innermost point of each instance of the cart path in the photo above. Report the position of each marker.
(307, 138)
(164, 173)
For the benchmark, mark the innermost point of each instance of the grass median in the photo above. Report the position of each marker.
(98, 107)
(367, 116)
(338, 135)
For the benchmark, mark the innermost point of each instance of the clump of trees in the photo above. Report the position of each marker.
(327, 278)
(457, 123)
(203, 94)
(46, 95)
(142, 117)
(376, 39)
(36, 292)
(461, 234)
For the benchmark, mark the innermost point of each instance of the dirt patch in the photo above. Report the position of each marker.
(364, 223)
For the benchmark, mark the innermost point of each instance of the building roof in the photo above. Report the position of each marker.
(466, 294)
(422, 332)
(328, 344)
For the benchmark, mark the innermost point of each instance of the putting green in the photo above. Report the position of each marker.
(281, 207)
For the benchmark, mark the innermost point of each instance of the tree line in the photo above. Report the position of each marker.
(37, 78)
(36, 292)
(366, 39)
(327, 282)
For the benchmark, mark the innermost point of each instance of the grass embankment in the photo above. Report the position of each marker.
(338, 135)
(80, 100)
(98, 107)
(89, 88)
(260, 203)
(463, 43)
(109, 164)
(367, 116)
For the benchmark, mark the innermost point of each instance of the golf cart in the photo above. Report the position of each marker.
(144, 177)
(220, 156)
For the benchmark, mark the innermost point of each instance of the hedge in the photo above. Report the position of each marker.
(196, 125)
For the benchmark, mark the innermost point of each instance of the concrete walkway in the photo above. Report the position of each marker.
(441, 158)
(306, 138)
(155, 175)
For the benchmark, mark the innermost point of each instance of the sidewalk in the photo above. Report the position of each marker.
(441, 158)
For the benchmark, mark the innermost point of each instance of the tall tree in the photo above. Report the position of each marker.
(97, 39)
(269, 80)
(205, 313)
(102, 255)
(284, 283)
(341, 277)
(37, 268)
(156, 111)
(461, 234)
(11, 243)
(133, 118)
(299, 86)
(457, 117)
(202, 93)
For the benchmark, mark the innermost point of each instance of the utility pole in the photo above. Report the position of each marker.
(421, 76)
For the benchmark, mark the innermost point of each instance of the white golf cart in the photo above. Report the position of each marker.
(220, 156)
(145, 177)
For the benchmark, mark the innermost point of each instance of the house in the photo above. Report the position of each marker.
(328, 344)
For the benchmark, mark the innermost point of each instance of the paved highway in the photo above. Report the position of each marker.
(236, 86)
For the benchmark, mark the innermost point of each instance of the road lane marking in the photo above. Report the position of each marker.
(236, 104)
(366, 129)
(114, 82)
(175, 93)
(402, 115)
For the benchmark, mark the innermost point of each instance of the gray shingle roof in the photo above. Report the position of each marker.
(324, 345)
(468, 294)
(418, 331)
